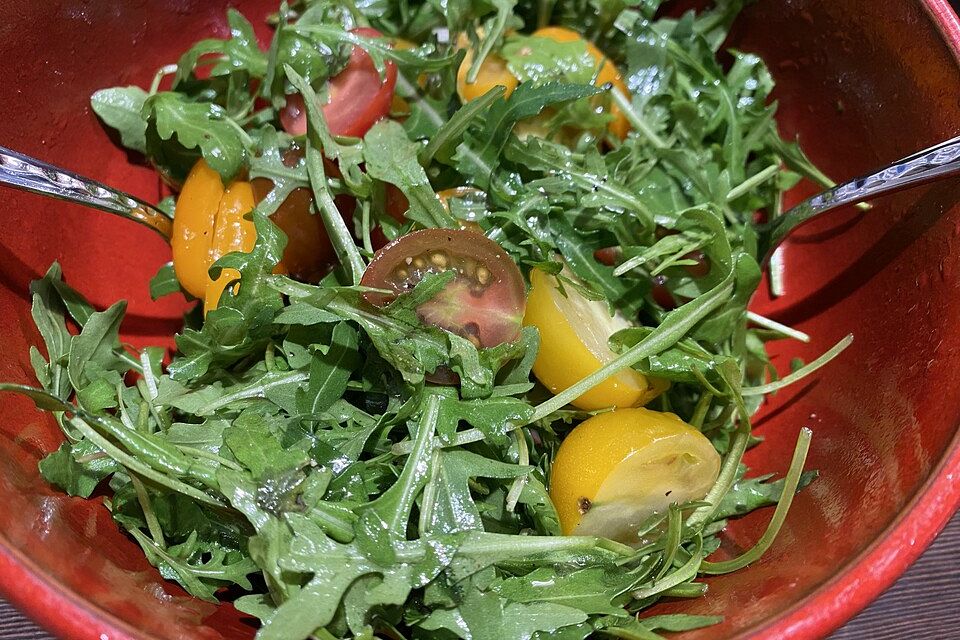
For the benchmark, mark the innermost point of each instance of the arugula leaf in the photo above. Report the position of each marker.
(591, 590)
(164, 283)
(121, 108)
(448, 506)
(205, 126)
(77, 468)
(392, 157)
(478, 156)
(751, 494)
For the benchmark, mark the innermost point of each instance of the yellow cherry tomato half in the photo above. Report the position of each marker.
(616, 469)
(607, 72)
(493, 72)
(193, 225)
(231, 232)
(573, 344)
(210, 222)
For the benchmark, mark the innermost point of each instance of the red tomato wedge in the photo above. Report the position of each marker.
(357, 96)
(485, 301)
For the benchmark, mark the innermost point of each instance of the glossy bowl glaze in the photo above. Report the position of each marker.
(861, 83)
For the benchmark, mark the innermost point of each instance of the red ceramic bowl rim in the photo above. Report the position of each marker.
(863, 579)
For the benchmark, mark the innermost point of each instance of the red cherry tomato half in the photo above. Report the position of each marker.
(483, 303)
(357, 96)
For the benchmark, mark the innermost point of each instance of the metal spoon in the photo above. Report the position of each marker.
(939, 161)
(23, 172)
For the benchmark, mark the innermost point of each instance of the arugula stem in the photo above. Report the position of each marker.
(544, 12)
(685, 573)
(671, 542)
(700, 411)
(244, 136)
(153, 525)
(790, 484)
(254, 390)
(773, 325)
(674, 326)
(516, 488)
(413, 470)
(802, 372)
(428, 500)
(343, 243)
(200, 453)
(141, 468)
(638, 123)
(158, 77)
(686, 590)
(728, 470)
(753, 181)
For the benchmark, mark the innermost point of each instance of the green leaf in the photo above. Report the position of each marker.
(257, 447)
(330, 371)
(164, 283)
(538, 59)
(78, 478)
(479, 155)
(591, 590)
(95, 347)
(199, 125)
(487, 616)
(392, 157)
(749, 494)
(451, 508)
(240, 52)
(48, 312)
(121, 109)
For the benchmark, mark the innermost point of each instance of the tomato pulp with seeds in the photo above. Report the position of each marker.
(358, 96)
(484, 302)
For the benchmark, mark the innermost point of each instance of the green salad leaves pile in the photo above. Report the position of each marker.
(292, 449)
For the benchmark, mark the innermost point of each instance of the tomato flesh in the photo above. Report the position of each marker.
(358, 97)
(484, 302)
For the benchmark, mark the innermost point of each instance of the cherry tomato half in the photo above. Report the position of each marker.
(357, 96)
(484, 303)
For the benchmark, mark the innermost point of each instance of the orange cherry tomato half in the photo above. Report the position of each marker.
(484, 303)
(357, 96)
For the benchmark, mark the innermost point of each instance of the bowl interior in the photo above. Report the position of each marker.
(860, 84)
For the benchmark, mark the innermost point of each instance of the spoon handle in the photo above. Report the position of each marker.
(23, 172)
(938, 161)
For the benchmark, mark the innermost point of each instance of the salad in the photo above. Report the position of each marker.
(470, 355)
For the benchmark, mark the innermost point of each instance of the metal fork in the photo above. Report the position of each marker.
(23, 172)
(939, 161)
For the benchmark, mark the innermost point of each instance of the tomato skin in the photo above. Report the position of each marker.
(232, 232)
(485, 306)
(357, 96)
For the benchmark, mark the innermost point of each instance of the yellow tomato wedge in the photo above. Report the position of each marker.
(608, 72)
(573, 344)
(193, 228)
(616, 469)
(492, 72)
(233, 232)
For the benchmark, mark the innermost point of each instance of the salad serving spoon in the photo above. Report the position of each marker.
(933, 163)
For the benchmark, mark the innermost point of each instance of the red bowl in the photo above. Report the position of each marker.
(861, 83)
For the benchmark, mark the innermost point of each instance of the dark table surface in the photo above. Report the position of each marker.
(923, 605)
